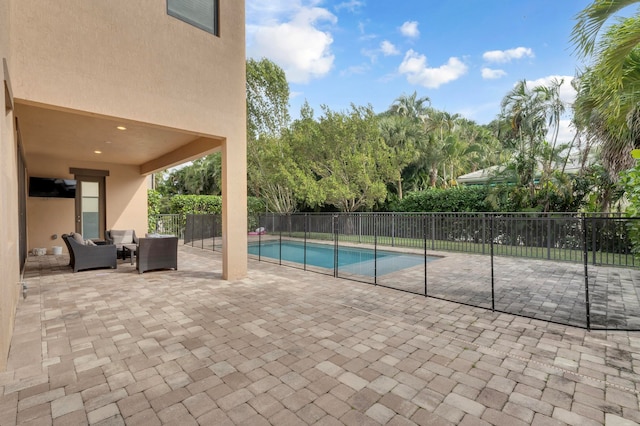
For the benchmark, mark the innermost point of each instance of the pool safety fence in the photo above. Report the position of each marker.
(572, 269)
(168, 224)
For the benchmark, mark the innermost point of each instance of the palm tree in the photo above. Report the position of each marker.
(402, 135)
(590, 22)
(607, 107)
(410, 106)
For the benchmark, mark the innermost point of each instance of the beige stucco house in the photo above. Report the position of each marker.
(106, 93)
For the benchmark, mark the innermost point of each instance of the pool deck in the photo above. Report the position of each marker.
(540, 289)
(288, 347)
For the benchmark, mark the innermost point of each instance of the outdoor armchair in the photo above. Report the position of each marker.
(157, 253)
(92, 256)
(120, 238)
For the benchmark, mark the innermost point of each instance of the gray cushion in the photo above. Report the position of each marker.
(89, 243)
(122, 236)
(78, 237)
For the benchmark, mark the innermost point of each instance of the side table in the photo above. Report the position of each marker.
(129, 250)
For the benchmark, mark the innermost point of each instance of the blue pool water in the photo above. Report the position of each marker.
(351, 260)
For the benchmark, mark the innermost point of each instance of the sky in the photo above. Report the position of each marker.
(464, 55)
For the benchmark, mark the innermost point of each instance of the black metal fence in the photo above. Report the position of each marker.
(573, 269)
(203, 231)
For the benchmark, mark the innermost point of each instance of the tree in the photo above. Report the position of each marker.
(606, 108)
(271, 168)
(267, 99)
(202, 177)
(347, 163)
(410, 106)
(532, 114)
(402, 135)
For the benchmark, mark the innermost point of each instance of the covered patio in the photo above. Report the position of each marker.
(285, 346)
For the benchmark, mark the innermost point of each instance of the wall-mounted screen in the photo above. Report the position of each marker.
(52, 187)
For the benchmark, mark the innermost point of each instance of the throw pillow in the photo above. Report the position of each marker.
(78, 237)
(89, 243)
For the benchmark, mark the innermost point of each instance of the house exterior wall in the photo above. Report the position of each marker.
(132, 60)
(9, 243)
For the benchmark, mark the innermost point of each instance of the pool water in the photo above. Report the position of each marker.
(351, 260)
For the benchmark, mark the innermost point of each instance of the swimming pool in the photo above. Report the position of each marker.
(352, 260)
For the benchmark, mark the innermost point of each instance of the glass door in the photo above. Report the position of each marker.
(90, 211)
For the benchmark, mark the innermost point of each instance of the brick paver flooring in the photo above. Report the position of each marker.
(284, 346)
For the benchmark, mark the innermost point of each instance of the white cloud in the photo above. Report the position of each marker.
(503, 56)
(297, 44)
(410, 29)
(355, 69)
(414, 65)
(388, 49)
(566, 131)
(491, 74)
(567, 92)
(350, 5)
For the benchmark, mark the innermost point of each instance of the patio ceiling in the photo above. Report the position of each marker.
(74, 136)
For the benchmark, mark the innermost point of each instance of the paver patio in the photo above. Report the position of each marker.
(284, 346)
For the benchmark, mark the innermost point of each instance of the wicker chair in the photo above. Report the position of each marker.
(157, 253)
(120, 238)
(90, 257)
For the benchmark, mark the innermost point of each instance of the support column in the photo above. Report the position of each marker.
(234, 207)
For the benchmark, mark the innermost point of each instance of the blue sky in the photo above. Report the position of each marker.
(465, 55)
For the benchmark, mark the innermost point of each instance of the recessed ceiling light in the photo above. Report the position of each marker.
(121, 128)
(107, 141)
(97, 152)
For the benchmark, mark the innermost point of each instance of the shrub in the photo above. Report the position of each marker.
(457, 199)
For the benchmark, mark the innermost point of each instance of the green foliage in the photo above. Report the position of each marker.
(630, 181)
(208, 204)
(345, 160)
(457, 199)
(202, 177)
(153, 208)
(196, 204)
(267, 99)
(272, 169)
(606, 108)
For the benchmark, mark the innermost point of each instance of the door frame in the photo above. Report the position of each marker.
(91, 175)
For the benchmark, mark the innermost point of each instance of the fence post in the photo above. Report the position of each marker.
(493, 298)
(548, 236)
(393, 230)
(586, 272)
(424, 235)
(375, 248)
(335, 245)
(433, 231)
(305, 226)
(260, 238)
(484, 230)
(593, 240)
(280, 243)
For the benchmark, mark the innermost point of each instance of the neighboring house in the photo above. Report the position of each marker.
(106, 93)
(493, 173)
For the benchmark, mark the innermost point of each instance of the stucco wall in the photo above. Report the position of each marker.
(125, 194)
(9, 243)
(88, 56)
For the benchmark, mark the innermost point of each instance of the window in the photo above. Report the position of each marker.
(199, 13)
